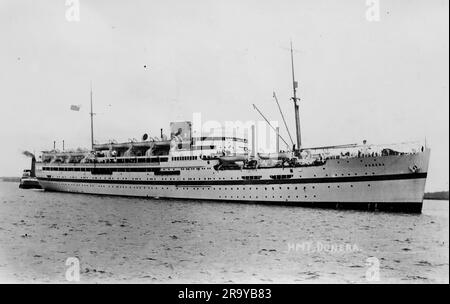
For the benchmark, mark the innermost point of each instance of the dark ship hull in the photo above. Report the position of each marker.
(29, 183)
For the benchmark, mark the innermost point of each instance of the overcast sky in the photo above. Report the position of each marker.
(152, 62)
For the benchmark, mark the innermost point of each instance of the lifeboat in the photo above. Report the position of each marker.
(233, 158)
(281, 155)
(269, 163)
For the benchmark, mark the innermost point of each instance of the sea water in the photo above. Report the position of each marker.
(118, 239)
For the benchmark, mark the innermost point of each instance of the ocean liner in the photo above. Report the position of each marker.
(225, 168)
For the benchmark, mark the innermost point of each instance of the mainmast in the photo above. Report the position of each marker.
(92, 123)
(296, 108)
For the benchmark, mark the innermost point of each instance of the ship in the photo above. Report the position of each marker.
(226, 169)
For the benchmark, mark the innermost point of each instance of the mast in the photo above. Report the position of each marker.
(296, 107)
(92, 123)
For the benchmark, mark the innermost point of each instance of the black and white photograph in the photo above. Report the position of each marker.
(210, 143)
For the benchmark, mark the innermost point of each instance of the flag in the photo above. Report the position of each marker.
(75, 107)
(295, 84)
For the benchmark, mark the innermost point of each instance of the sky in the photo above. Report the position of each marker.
(383, 78)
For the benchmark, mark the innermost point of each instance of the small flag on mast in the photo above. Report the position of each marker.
(295, 84)
(75, 107)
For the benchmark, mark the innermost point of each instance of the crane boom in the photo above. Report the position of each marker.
(282, 116)
(262, 115)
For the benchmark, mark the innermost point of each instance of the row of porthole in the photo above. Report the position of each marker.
(104, 186)
(351, 186)
(374, 165)
(193, 179)
(359, 160)
(185, 188)
(237, 189)
(288, 197)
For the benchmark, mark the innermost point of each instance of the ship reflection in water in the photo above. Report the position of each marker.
(120, 239)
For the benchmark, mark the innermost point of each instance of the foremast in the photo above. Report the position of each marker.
(296, 107)
(92, 123)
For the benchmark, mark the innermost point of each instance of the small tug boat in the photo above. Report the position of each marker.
(29, 182)
(28, 179)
